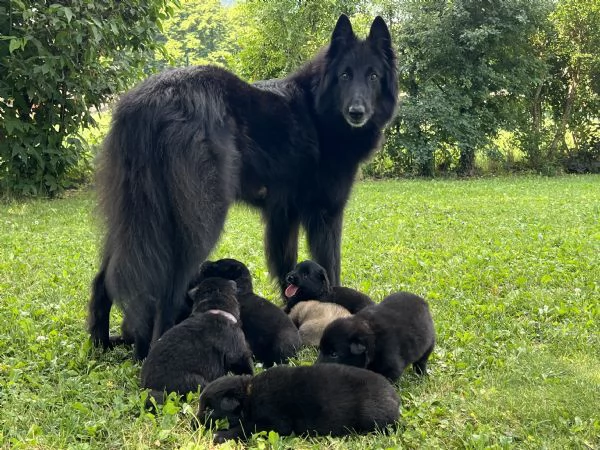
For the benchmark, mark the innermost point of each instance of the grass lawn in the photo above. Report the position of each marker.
(510, 266)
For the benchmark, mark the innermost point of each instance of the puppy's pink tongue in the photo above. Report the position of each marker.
(291, 290)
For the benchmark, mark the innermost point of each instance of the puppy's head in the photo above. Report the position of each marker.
(308, 280)
(348, 341)
(224, 399)
(215, 293)
(228, 268)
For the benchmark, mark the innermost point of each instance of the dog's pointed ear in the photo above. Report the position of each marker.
(229, 403)
(380, 36)
(379, 31)
(357, 348)
(342, 34)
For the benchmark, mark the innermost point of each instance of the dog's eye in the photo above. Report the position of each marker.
(345, 76)
(333, 355)
(373, 76)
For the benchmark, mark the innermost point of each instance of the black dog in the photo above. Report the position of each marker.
(203, 347)
(316, 400)
(187, 143)
(309, 281)
(272, 335)
(384, 338)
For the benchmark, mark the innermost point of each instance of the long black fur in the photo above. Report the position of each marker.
(311, 283)
(187, 143)
(384, 338)
(314, 400)
(203, 347)
(271, 334)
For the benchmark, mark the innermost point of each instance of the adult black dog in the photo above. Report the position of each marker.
(187, 143)
(316, 400)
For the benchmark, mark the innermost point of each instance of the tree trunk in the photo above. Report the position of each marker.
(466, 163)
(559, 137)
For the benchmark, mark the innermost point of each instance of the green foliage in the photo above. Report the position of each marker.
(564, 102)
(59, 60)
(463, 66)
(277, 36)
(198, 32)
(513, 291)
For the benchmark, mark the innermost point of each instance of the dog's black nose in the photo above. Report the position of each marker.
(290, 279)
(356, 112)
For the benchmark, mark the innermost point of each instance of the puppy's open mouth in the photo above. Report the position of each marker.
(291, 290)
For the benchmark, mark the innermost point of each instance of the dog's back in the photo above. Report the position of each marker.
(321, 399)
(312, 317)
(193, 353)
(403, 321)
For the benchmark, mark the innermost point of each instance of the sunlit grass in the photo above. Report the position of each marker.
(511, 268)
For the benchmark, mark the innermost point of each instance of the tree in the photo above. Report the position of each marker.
(277, 36)
(58, 60)
(198, 32)
(560, 113)
(464, 64)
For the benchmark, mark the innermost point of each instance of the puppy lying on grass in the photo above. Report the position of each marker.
(272, 336)
(384, 338)
(309, 281)
(326, 399)
(203, 347)
(312, 317)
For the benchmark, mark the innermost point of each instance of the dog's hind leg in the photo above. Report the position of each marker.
(281, 242)
(420, 366)
(99, 308)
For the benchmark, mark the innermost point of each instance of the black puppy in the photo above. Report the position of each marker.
(322, 399)
(384, 338)
(309, 281)
(203, 347)
(271, 334)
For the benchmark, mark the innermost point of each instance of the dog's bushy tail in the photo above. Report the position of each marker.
(161, 189)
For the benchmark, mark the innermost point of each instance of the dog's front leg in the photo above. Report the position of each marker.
(324, 232)
(281, 242)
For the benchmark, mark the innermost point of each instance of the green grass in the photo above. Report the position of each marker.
(510, 266)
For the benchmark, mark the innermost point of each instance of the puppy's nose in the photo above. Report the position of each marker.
(290, 279)
(356, 112)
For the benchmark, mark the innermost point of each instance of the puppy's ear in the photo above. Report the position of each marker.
(229, 403)
(323, 276)
(357, 348)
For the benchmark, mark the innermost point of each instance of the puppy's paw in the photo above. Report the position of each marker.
(220, 437)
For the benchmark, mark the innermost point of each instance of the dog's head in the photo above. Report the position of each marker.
(215, 293)
(228, 268)
(224, 399)
(359, 79)
(307, 281)
(348, 341)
